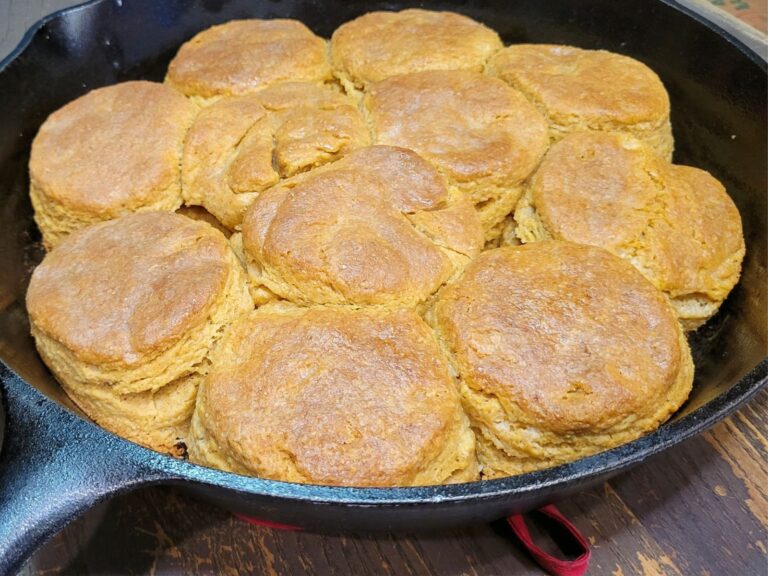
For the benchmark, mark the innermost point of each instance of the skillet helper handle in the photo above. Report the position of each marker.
(554, 566)
(53, 467)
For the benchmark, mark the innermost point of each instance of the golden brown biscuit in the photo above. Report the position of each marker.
(333, 396)
(484, 137)
(243, 56)
(377, 227)
(113, 151)
(378, 45)
(562, 350)
(675, 224)
(312, 125)
(125, 313)
(589, 90)
(227, 158)
(242, 145)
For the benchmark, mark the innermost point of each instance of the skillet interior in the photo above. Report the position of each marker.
(719, 118)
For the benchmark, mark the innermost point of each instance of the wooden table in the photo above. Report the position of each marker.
(699, 509)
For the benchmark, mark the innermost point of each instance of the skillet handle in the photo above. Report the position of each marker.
(53, 467)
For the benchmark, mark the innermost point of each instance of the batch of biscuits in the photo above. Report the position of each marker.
(409, 255)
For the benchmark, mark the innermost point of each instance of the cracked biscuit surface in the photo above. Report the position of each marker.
(562, 350)
(242, 145)
(382, 44)
(676, 224)
(378, 227)
(581, 90)
(484, 137)
(125, 313)
(333, 396)
(244, 56)
(113, 151)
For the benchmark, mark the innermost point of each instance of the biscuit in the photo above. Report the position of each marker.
(378, 227)
(562, 351)
(113, 151)
(484, 137)
(675, 224)
(125, 313)
(243, 56)
(335, 397)
(311, 125)
(581, 90)
(378, 45)
(240, 146)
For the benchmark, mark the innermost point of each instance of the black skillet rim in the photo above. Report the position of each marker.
(604, 463)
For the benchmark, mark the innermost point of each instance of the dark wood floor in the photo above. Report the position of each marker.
(699, 509)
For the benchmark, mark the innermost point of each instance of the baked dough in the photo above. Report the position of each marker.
(484, 137)
(589, 90)
(125, 313)
(378, 227)
(242, 145)
(562, 350)
(378, 45)
(676, 224)
(333, 396)
(348, 189)
(113, 151)
(243, 56)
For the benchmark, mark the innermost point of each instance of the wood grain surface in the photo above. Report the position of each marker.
(701, 509)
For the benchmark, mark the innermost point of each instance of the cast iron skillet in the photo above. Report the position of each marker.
(55, 464)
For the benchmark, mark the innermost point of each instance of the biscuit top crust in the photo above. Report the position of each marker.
(329, 396)
(124, 290)
(312, 125)
(228, 157)
(583, 86)
(242, 56)
(568, 337)
(376, 227)
(470, 126)
(676, 224)
(113, 149)
(242, 145)
(229, 145)
(382, 44)
(597, 188)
